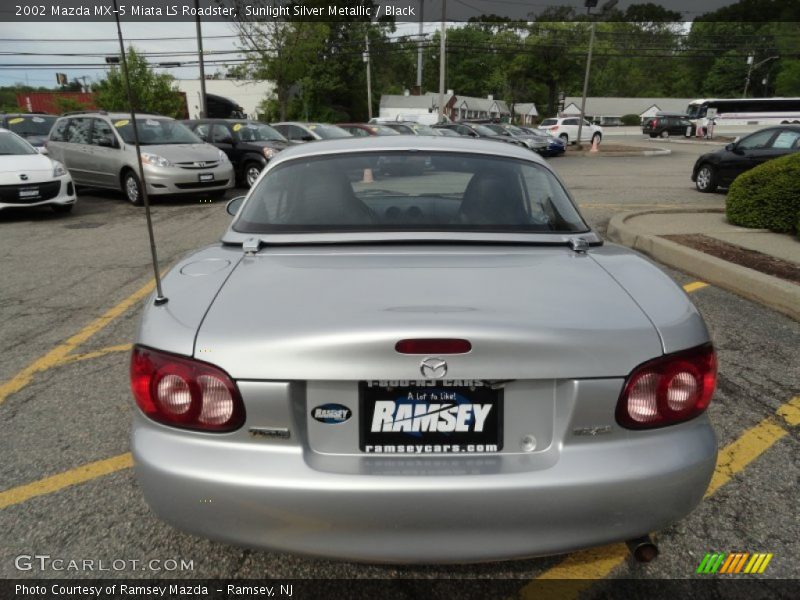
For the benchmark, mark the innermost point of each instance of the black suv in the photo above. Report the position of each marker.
(667, 124)
(248, 144)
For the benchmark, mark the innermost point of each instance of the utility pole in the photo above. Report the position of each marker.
(750, 69)
(203, 99)
(590, 4)
(442, 50)
(369, 76)
(419, 47)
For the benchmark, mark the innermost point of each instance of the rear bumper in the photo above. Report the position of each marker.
(423, 509)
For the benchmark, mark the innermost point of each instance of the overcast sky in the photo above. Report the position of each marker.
(39, 38)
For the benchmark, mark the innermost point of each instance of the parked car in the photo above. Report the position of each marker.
(720, 168)
(540, 141)
(667, 124)
(98, 149)
(416, 372)
(410, 128)
(248, 144)
(478, 130)
(609, 122)
(367, 129)
(566, 128)
(27, 178)
(34, 127)
(309, 132)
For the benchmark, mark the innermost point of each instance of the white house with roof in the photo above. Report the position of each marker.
(406, 107)
(525, 113)
(470, 107)
(597, 107)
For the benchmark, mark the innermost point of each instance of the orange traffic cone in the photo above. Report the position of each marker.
(367, 176)
(595, 144)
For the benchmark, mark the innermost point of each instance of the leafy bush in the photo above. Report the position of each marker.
(631, 120)
(768, 196)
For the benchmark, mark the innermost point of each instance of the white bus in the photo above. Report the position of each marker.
(746, 111)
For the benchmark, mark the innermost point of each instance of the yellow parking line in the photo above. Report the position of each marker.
(587, 566)
(66, 479)
(95, 354)
(62, 351)
(694, 286)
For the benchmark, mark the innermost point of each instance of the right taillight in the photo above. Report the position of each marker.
(668, 390)
(184, 392)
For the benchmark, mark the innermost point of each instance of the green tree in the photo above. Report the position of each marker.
(151, 91)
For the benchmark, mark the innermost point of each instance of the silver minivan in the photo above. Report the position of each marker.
(98, 150)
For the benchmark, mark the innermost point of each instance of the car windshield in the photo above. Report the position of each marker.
(496, 128)
(156, 131)
(328, 132)
(409, 191)
(12, 144)
(421, 129)
(256, 132)
(31, 125)
(514, 130)
(382, 130)
(548, 122)
(483, 130)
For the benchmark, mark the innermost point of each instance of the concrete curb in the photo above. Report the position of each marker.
(670, 140)
(778, 294)
(659, 152)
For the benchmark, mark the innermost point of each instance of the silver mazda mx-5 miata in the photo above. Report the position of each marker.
(412, 349)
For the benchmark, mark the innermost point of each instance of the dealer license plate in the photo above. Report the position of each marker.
(430, 417)
(206, 176)
(28, 193)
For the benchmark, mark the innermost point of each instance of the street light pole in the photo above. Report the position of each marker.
(585, 83)
(442, 50)
(203, 100)
(751, 68)
(419, 47)
(369, 76)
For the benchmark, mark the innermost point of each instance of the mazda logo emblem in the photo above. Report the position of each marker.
(433, 368)
(23, 177)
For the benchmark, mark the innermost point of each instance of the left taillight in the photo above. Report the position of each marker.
(183, 392)
(668, 390)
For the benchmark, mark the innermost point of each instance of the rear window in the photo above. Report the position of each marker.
(548, 122)
(409, 191)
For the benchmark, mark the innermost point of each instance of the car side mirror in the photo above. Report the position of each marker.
(730, 147)
(234, 205)
(307, 138)
(106, 142)
(227, 140)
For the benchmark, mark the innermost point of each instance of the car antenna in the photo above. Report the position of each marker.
(160, 297)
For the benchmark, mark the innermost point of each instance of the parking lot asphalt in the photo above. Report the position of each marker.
(69, 304)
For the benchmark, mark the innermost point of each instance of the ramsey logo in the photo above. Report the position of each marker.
(331, 413)
(391, 416)
(734, 563)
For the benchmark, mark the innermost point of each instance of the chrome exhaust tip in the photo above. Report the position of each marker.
(643, 549)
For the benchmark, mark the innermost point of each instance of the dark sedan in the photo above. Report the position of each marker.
(249, 144)
(479, 130)
(34, 127)
(367, 129)
(720, 168)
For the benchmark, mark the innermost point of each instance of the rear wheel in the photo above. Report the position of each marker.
(706, 179)
(665, 134)
(251, 172)
(132, 188)
(62, 208)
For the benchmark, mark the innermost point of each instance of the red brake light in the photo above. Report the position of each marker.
(670, 389)
(184, 392)
(554, 128)
(433, 346)
(655, 123)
